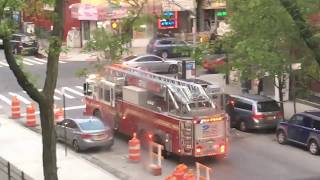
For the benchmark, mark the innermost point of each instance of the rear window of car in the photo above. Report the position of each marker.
(91, 125)
(268, 106)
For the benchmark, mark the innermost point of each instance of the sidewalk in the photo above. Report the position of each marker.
(23, 148)
(234, 88)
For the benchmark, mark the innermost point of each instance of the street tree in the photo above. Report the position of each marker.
(264, 41)
(44, 98)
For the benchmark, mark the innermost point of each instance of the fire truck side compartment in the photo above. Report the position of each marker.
(135, 95)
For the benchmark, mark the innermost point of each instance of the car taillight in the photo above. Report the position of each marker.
(198, 149)
(85, 136)
(258, 116)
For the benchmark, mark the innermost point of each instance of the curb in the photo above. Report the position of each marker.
(305, 102)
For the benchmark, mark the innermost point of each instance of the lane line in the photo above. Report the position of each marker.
(24, 100)
(73, 91)
(79, 87)
(5, 99)
(67, 95)
(41, 60)
(4, 64)
(32, 61)
(67, 109)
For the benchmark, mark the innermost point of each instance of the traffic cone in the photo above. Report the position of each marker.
(180, 171)
(58, 114)
(15, 108)
(134, 149)
(189, 175)
(171, 178)
(31, 116)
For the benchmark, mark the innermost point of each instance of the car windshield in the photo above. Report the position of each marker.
(268, 106)
(91, 125)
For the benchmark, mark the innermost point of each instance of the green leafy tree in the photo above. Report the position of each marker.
(264, 40)
(43, 98)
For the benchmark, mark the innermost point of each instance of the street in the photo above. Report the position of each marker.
(253, 155)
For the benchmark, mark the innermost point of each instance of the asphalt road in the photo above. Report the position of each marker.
(252, 156)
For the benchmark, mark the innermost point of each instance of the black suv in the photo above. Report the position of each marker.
(302, 128)
(253, 112)
(168, 47)
(24, 44)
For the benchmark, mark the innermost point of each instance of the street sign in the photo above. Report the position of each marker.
(296, 66)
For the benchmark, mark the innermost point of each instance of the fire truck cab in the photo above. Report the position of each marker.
(177, 114)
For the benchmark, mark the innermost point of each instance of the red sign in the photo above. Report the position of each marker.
(169, 20)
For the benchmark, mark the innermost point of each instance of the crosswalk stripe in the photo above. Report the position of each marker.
(27, 63)
(79, 87)
(4, 63)
(6, 100)
(41, 60)
(32, 61)
(73, 91)
(54, 97)
(65, 94)
(24, 100)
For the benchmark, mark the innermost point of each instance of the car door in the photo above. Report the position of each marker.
(60, 129)
(295, 128)
(142, 62)
(305, 130)
(166, 45)
(71, 128)
(157, 64)
(243, 110)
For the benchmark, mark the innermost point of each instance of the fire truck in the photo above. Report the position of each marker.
(185, 117)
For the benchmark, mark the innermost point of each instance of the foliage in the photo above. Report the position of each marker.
(109, 44)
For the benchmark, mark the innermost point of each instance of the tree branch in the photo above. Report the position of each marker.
(19, 74)
(305, 31)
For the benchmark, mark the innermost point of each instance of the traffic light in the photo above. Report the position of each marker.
(222, 13)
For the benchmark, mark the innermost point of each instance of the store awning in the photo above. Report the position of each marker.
(90, 12)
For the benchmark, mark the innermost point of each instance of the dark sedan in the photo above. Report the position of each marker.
(24, 44)
(168, 47)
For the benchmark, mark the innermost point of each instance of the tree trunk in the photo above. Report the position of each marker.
(280, 88)
(305, 30)
(48, 140)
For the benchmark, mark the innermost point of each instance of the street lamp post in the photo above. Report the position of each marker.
(64, 117)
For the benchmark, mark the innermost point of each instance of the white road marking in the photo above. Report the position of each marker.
(67, 109)
(63, 62)
(5, 99)
(41, 60)
(67, 95)
(24, 100)
(73, 91)
(4, 64)
(79, 87)
(54, 97)
(32, 61)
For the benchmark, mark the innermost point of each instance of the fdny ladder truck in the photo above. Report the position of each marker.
(177, 114)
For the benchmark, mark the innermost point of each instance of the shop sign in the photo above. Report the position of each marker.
(214, 4)
(169, 20)
(178, 5)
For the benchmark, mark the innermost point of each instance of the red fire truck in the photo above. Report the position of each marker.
(184, 117)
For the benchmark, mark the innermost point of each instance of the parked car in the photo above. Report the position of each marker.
(210, 62)
(152, 63)
(253, 112)
(84, 133)
(303, 128)
(24, 44)
(168, 47)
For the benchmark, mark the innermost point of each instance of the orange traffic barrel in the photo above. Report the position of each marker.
(171, 178)
(189, 175)
(180, 171)
(59, 114)
(15, 108)
(134, 149)
(31, 116)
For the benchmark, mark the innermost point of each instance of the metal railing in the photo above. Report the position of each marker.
(10, 172)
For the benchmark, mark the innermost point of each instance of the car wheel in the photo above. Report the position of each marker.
(173, 69)
(313, 147)
(281, 137)
(75, 146)
(164, 54)
(243, 126)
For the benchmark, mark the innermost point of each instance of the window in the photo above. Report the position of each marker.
(180, 42)
(92, 125)
(307, 122)
(154, 58)
(316, 125)
(72, 125)
(107, 95)
(165, 42)
(297, 120)
(143, 59)
(100, 93)
(268, 106)
(243, 105)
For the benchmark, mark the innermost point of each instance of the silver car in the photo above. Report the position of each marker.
(152, 63)
(85, 133)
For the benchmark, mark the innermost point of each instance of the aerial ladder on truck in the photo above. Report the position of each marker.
(185, 92)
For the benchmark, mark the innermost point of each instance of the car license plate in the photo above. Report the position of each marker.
(271, 117)
(100, 137)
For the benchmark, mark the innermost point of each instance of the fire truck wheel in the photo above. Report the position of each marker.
(158, 139)
(97, 113)
(173, 69)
